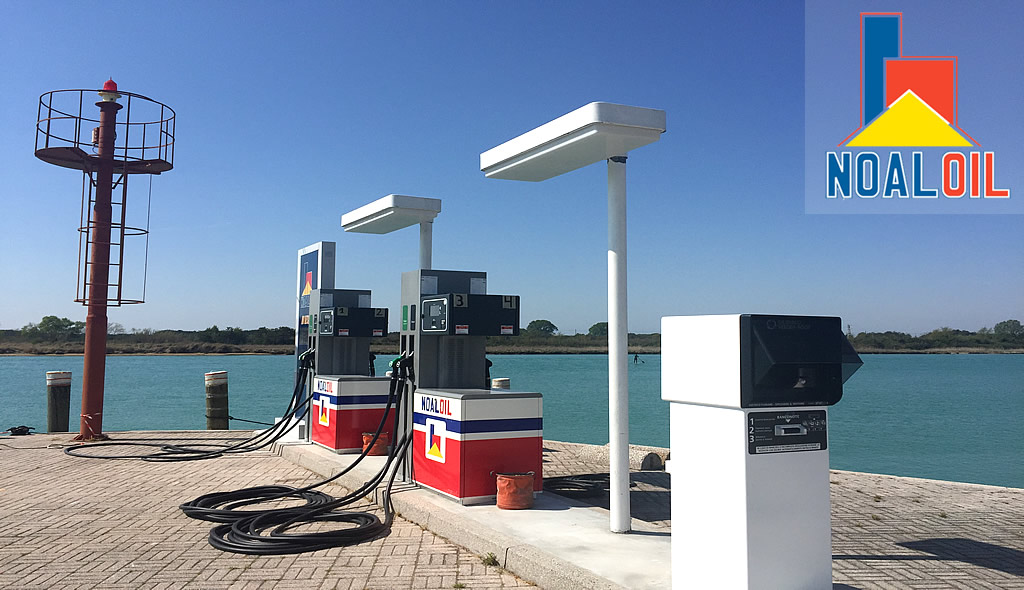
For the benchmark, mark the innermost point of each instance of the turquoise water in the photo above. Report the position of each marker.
(951, 417)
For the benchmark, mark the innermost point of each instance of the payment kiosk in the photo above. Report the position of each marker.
(347, 399)
(463, 433)
(749, 435)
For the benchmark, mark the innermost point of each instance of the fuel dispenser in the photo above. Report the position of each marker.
(749, 435)
(347, 399)
(464, 433)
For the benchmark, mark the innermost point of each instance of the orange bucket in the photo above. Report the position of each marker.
(515, 490)
(379, 449)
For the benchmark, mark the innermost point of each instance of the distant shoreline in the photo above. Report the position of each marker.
(143, 349)
(205, 348)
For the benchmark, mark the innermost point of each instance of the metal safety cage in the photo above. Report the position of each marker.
(144, 144)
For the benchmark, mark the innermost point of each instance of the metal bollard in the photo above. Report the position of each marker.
(217, 400)
(58, 401)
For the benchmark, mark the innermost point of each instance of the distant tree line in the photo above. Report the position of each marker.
(546, 333)
(1006, 335)
(54, 329)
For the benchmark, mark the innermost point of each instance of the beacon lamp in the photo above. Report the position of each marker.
(594, 132)
(109, 92)
(394, 212)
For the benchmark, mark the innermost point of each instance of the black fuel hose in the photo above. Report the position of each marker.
(224, 506)
(580, 486)
(271, 531)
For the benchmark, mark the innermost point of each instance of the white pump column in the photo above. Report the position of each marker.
(394, 212)
(594, 132)
(426, 239)
(618, 349)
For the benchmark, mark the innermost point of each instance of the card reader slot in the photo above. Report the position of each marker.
(790, 429)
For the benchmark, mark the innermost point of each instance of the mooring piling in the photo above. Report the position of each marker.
(58, 401)
(217, 400)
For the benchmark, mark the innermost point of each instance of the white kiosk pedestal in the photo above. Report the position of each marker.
(750, 479)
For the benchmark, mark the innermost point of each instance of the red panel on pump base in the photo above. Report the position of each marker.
(462, 437)
(346, 406)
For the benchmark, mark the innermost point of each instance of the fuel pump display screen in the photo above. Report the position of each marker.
(435, 315)
(786, 432)
(326, 323)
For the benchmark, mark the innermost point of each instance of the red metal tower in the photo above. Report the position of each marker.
(106, 154)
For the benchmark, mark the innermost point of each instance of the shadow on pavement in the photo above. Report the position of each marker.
(977, 553)
(649, 492)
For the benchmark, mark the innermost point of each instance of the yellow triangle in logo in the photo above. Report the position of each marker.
(434, 451)
(909, 122)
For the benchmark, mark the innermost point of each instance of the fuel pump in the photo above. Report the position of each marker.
(347, 399)
(749, 435)
(464, 433)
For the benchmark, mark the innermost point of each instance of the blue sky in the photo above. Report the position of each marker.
(290, 115)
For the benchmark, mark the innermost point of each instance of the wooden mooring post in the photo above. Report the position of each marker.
(58, 401)
(217, 400)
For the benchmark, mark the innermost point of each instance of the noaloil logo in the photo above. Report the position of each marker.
(324, 413)
(436, 440)
(909, 144)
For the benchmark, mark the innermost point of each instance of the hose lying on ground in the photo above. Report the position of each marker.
(272, 531)
(580, 486)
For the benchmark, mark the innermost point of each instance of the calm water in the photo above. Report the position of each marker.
(951, 417)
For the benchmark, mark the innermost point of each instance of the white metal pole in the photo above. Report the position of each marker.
(618, 352)
(426, 237)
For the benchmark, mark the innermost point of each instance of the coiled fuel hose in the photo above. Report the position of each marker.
(272, 531)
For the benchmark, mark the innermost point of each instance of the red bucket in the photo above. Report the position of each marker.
(515, 490)
(380, 448)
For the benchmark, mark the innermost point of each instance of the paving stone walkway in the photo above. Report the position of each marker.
(887, 532)
(898, 532)
(68, 522)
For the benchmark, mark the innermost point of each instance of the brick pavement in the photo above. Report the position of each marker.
(897, 532)
(887, 532)
(69, 522)
(81, 523)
